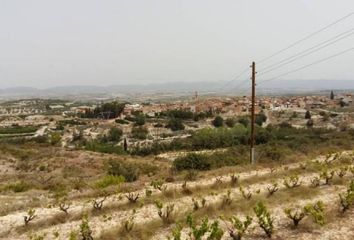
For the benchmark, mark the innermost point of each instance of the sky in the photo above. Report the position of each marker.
(45, 43)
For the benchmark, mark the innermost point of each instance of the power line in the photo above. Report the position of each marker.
(306, 37)
(292, 45)
(308, 65)
(245, 90)
(241, 83)
(234, 79)
(304, 53)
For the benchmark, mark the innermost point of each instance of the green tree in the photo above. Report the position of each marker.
(230, 122)
(125, 145)
(332, 95)
(244, 121)
(192, 161)
(218, 121)
(307, 115)
(309, 123)
(181, 114)
(140, 132)
(175, 124)
(114, 134)
(107, 110)
(260, 119)
(140, 120)
(129, 171)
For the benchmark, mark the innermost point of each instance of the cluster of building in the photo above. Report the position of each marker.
(231, 106)
(242, 106)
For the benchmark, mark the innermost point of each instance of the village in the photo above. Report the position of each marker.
(136, 155)
(42, 117)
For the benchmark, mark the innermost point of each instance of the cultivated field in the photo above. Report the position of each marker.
(213, 205)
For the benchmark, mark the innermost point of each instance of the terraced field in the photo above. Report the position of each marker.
(209, 208)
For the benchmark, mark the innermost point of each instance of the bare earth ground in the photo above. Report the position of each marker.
(54, 224)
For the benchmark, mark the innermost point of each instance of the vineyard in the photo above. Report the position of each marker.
(302, 200)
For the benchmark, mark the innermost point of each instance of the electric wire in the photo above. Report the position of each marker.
(306, 37)
(308, 65)
(234, 79)
(308, 51)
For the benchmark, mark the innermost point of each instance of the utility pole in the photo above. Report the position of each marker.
(253, 117)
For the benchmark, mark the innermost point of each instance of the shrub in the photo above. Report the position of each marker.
(316, 211)
(175, 124)
(114, 134)
(246, 195)
(327, 176)
(230, 157)
(209, 138)
(165, 213)
(107, 110)
(230, 122)
(129, 171)
(109, 180)
(148, 192)
(239, 227)
(197, 205)
(274, 153)
(64, 207)
(265, 220)
(30, 216)
(140, 119)
(140, 132)
(159, 185)
(244, 121)
(18, 129)
(218, 121)
(307, 115)
(234, 179)
(185, 189)
(133, 198)
(226, 200)
(178, 113)
(309, 123)
(272, 189)
(191, 175)
(192, 161)
(218, 181)
(341, 172)
(129, 224)
(197, 232)
(97, 146)
(292, 182)
(296, 215)
(315, 181)
(216, 232)
(347, 198)
(73, 235)
(85, 230)
(98, 203)
(121, 121)
(17, 187)
(177, 232)
(260, 119)
(55, 138)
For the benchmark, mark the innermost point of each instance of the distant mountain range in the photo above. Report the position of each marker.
(180, 88)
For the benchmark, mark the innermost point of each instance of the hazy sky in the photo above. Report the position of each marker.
(100, 42)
